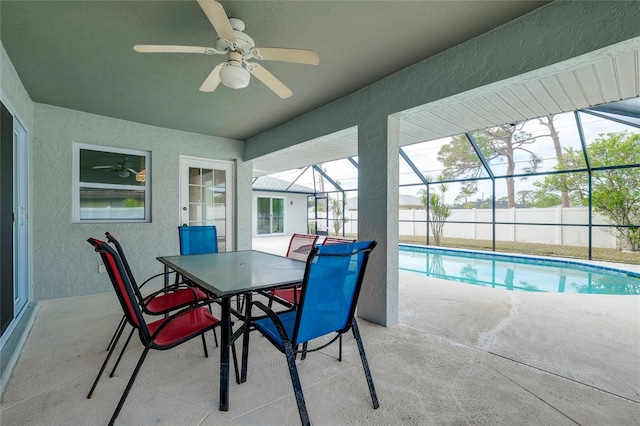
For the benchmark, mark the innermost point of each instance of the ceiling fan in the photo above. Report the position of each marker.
(240, 48)
(122, 167)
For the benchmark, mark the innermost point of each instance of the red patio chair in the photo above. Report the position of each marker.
(163, 334)
(171, 298)
(291, 295)
(300, 246)
(337, 240)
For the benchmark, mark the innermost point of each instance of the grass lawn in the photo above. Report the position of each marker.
(575, 252)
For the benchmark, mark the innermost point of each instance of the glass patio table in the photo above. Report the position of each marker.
(229, 274)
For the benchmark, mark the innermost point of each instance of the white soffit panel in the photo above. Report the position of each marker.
(332, 147)
(605, 76)
(601, 79)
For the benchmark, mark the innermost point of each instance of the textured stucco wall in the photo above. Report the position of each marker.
(63, 262)
(14, 92)
(554, 33)
(560, 31)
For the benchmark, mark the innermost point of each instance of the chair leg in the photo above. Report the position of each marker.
(122, 353)
(365, 364)
(239, 302)
(340, 348)
(204, 345)
(215, 337)
(304, 351)
(113, 338)
(130, 384)
(295, 381)
(104, 364)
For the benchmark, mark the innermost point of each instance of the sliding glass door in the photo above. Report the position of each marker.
(270, 216)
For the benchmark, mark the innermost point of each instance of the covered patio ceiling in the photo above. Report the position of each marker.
(598, 78)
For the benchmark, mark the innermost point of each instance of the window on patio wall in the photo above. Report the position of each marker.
(111, 184)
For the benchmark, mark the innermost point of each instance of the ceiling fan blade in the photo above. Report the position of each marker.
(213, 80)
(299, 56)
(132, 171)
(269, 80)
(158, 48)
(104, 167)
(218, 18)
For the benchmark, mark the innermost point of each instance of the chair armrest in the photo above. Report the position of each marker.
(156, 276)
(273, 317)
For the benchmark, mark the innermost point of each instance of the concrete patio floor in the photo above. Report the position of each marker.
(460, 355)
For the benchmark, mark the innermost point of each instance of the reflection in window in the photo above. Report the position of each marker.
(111, 184)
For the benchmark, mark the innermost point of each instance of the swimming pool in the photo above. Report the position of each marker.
(517, 273)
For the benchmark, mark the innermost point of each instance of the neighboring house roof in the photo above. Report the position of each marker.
(268, 183)
(403, 201)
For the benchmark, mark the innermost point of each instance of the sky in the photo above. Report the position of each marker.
(424, 156)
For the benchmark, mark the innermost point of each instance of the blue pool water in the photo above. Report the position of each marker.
(518, 273)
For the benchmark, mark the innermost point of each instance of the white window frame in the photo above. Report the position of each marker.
(75, 211)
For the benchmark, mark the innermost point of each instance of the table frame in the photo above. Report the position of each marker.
(280, 272)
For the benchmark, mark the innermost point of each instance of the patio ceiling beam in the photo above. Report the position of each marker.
(352, 161)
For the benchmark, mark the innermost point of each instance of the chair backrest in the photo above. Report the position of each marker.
(300, 246)
(330, 289)
(122, 286)
(335, 240)
(113, 240)
(198, 239)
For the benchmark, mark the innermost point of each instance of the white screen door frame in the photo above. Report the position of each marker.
(207, 196)
(21, 227)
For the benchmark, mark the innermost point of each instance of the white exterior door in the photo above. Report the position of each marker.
(207, 197)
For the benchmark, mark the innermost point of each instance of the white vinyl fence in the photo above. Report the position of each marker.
(413, 222)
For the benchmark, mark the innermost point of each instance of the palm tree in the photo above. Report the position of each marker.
(438, 210)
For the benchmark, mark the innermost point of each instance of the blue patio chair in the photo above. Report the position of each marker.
(330, 290)
(198, 239)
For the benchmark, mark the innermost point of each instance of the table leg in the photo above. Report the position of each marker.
(225, 333)
(245, 338)
(166, 276)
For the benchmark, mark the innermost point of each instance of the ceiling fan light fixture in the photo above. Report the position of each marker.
(235, 76)
(124, 173)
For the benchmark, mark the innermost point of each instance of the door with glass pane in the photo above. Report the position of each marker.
(206, 195)
(322, 216)
(270, 216)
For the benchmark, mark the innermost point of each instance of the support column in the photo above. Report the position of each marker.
(378, 179)
(244, 205)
